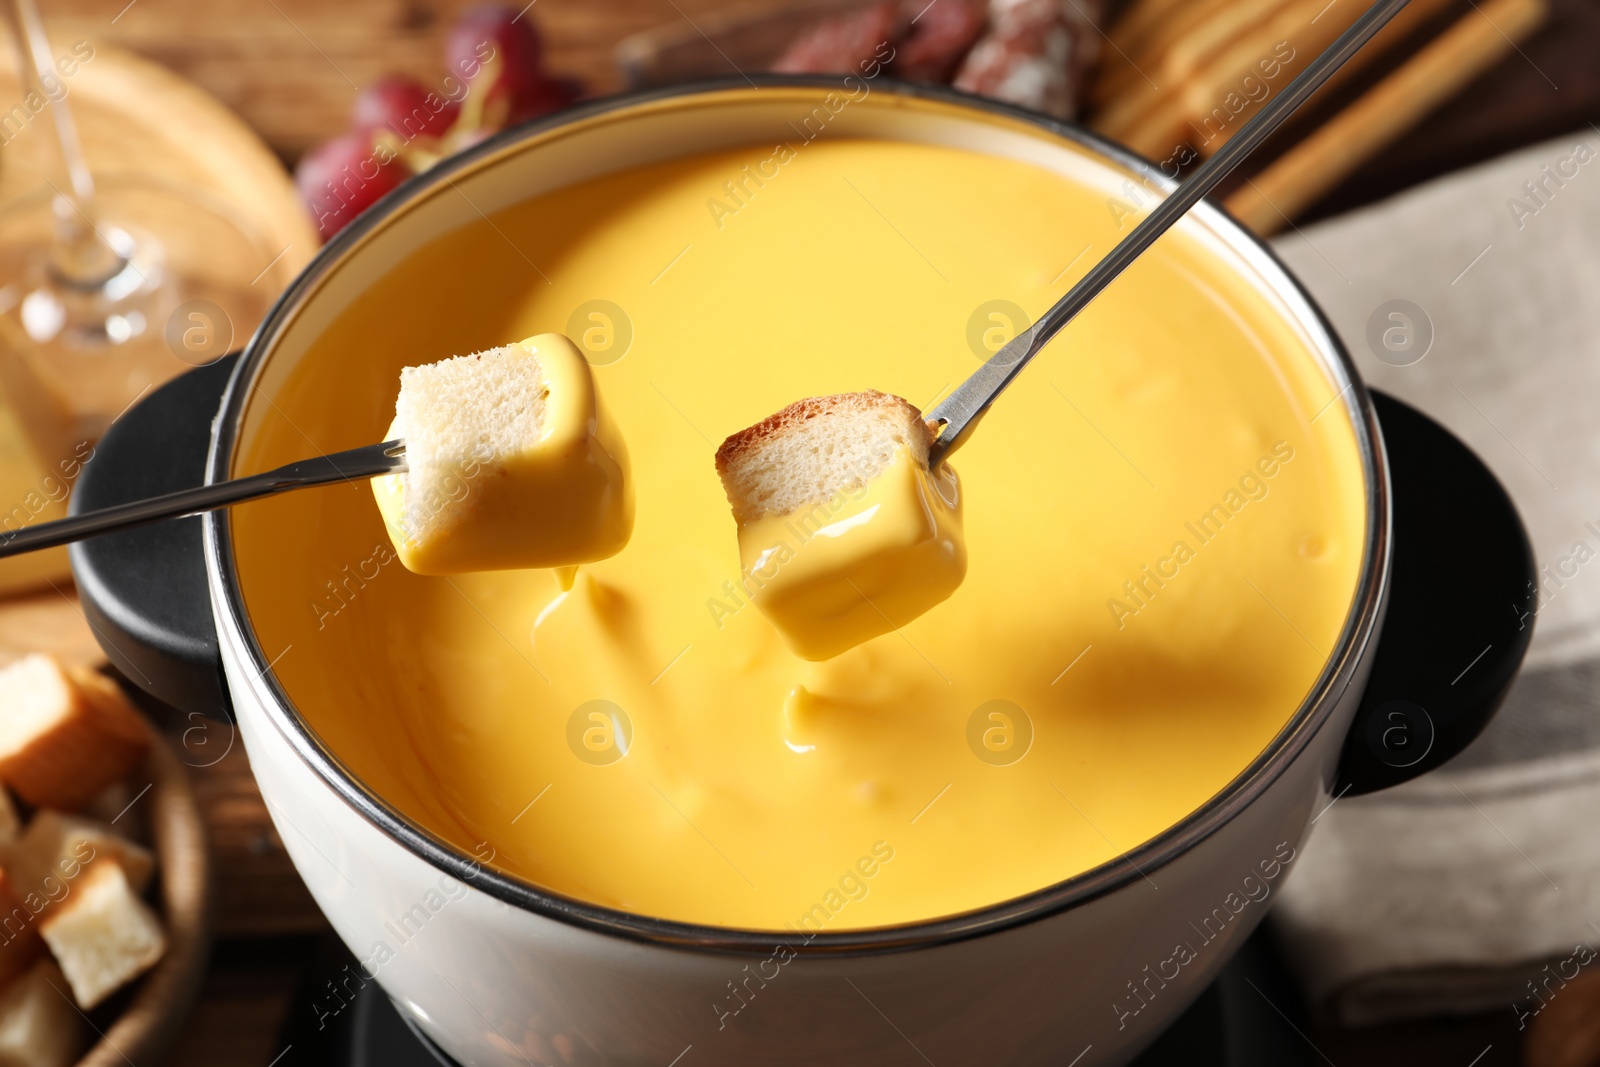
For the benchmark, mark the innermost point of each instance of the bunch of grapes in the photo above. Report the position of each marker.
(399, 127)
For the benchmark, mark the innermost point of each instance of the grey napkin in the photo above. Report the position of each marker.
(1477, 886)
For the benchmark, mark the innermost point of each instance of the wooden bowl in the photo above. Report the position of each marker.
(162, 998)
(154, 1010)
(136, 118)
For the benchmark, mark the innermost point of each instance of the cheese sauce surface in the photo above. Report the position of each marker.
(1163, 542)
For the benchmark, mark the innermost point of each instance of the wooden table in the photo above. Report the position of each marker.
(292, 68)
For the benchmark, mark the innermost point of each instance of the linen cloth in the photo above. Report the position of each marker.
(1478, 886)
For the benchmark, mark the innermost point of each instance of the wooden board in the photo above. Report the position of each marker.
(137, 118)
(137, 121)
(48, 621)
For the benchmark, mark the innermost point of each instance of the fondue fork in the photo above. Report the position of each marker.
(356, 464)
(958, 414)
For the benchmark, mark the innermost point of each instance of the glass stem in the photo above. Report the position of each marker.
(81, 258)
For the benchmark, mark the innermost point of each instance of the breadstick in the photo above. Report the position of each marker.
(1142, 66)
(1233, 28)
(1210, 92)
(1408, 21)
(1141, 19)
(1414, 15)
(1246, 30)
(1143, 88)
(1479, 40)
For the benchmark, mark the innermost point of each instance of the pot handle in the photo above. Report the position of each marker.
(144, 591)
(1460, 611)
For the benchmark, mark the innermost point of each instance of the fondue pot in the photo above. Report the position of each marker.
(497, 972)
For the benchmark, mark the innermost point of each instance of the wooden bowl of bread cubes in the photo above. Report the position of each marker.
(103, 874)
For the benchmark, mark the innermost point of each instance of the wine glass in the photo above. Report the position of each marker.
(110, 284)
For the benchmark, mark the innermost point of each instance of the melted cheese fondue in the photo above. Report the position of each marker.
(1163, 543)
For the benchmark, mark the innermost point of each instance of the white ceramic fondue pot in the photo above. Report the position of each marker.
(498, 972)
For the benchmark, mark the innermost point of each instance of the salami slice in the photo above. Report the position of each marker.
(939, 33)
(841, 44)
(1035, 54)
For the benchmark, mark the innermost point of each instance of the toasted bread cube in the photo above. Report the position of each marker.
(102, 934)
(39, 1026)
(20, 946)
(64, 736)
(844, 532)
(55, 850)
(513, 463)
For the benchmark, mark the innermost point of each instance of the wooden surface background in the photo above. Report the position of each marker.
(291, 68)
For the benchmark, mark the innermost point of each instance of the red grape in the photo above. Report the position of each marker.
(404, 106)
(341, 178)
(504, 42)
